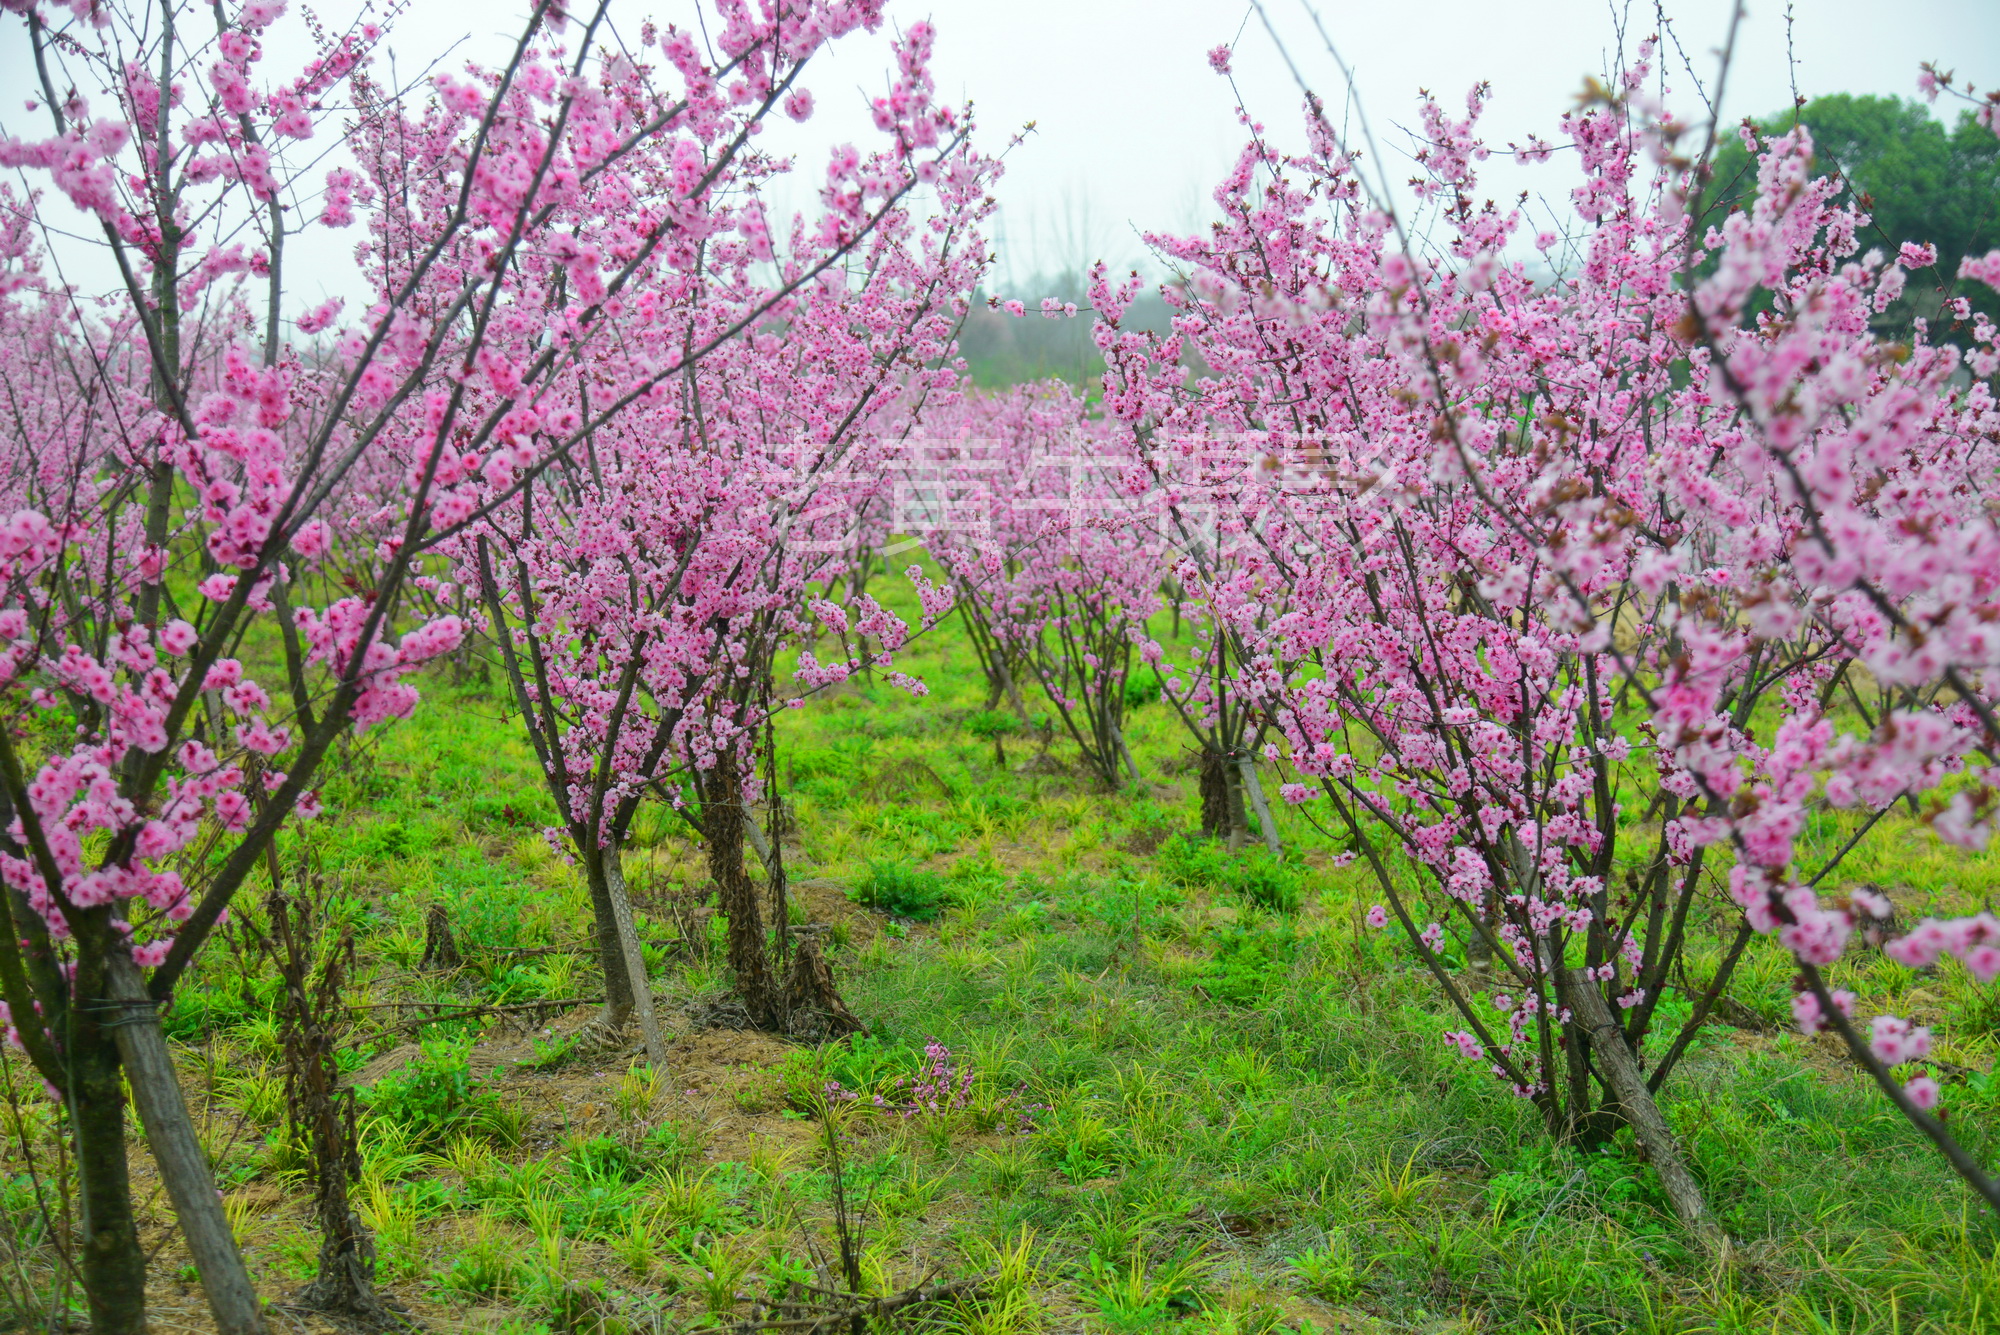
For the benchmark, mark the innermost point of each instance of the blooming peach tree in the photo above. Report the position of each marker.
(1558, 590)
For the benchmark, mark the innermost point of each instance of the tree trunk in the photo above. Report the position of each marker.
(440, 946)
(774, 863)
(320, 1112)
(722, 818)
(1632, 1101)
(112, 1263)
(1013, 692)
(758, 843)
(1572, 1119)
(634, 959)
(183, 1165)
(992, 654)
(1214, 787)
(813, 1008)
(618, 998)
(1248, 770)
(345, 1282)
(1232, 791)
(1125, 753)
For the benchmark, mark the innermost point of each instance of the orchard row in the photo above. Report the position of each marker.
(1569, 590)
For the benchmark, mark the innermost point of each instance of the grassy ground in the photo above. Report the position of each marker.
(1201, 1094)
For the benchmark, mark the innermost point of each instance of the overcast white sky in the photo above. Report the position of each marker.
(1133, 129)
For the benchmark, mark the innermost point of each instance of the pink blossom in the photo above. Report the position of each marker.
(153, 953)
(1913, 256)
(1922, 1091)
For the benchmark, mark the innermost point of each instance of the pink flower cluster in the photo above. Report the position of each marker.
(941, 1088)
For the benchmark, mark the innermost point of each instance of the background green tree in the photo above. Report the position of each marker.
(1919, 179)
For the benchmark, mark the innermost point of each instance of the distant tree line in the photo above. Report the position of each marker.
(1919, 179)
(1002, 349)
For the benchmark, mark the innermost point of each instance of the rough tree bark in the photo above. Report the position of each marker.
(813, 1008)
(321, 1114)
(1214, 788)
(440, 946)
(1238, 819)
(722, 819)
(806, 1003)
(112, 1263)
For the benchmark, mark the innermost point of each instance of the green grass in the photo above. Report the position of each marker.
(1203, 1096)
